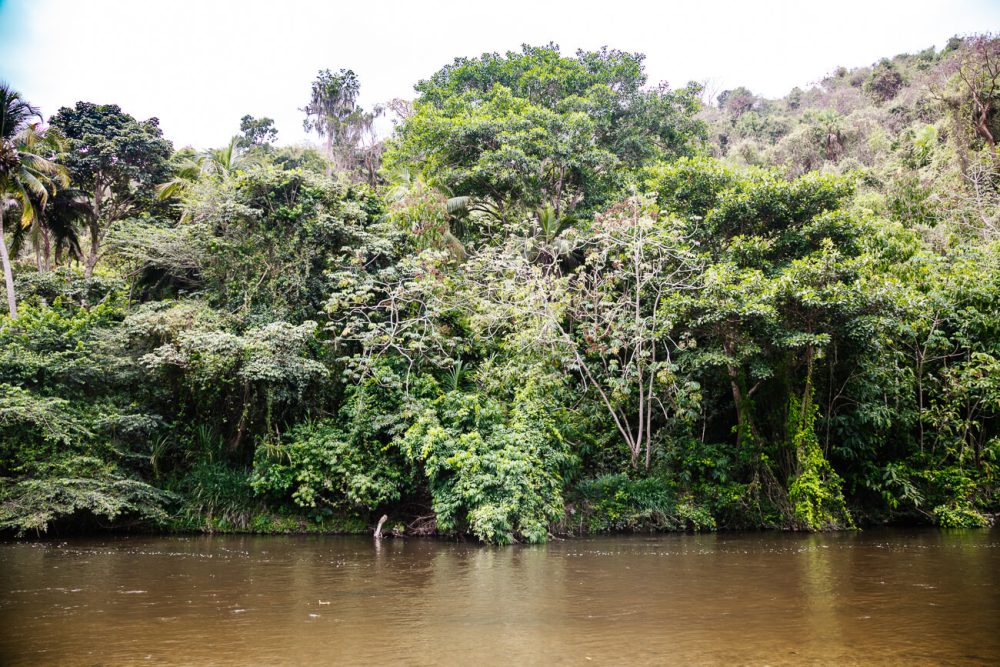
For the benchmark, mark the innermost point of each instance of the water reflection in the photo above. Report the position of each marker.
(876, 597)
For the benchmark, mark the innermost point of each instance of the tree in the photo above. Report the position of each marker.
(219, 164)
(979, 71)
(27, 175)
(738, 101)
(607, 323)
(619, 333)
(54, 228)
(257, 131)
(789, 299)
(60, 221)
(884, 82)
(117, 160)
(222, 162)
(521, 131)
(334, 114)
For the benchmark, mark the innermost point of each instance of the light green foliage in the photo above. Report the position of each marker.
(493, 467)
(960, 516)
(815, 491)
(527, 129)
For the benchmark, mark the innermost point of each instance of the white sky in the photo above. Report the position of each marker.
(199, 65)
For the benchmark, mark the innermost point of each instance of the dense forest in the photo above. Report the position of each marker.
(556, 300)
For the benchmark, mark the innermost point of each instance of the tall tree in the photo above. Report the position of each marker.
(333, 113)
(522, 131)
(27, 175)
(117, 160)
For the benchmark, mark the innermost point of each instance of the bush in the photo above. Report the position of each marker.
(318, 463)
(74, 486)
(884, 82)
(494, 468)
(617, 503)
(216, 498)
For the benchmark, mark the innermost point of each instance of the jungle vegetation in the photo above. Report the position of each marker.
(558, 299)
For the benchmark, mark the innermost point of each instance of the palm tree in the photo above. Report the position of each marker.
(223, 162)
(545, 244)
(217, 163)
(26, 175)
(55, 230)
(427, 211)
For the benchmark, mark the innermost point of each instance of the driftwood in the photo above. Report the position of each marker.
(423, 526)
(378, 528)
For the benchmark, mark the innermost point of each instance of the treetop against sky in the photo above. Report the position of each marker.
(199, 67)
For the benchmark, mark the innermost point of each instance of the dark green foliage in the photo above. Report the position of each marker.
(77, 487)
(116, 160)
(617, 503)
(216, 497)
(884, 82)
(349, 463)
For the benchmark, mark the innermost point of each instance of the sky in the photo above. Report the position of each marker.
(200, 65)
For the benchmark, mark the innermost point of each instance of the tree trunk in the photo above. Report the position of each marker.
(983, 129)
(8, 275)
(46, 249)
(36, 237)
(329, 153)
(95, 246)
(744, 416)
(95, 233)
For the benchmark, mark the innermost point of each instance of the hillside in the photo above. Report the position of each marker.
(906, 126)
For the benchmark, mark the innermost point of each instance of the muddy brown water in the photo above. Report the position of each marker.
(875, 597)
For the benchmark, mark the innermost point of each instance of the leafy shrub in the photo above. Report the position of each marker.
(321, 463)
(350, 462)
(493, 469)
(618, 503)
(74, 486)
(958, 515)
(216, 497)
(884, 82)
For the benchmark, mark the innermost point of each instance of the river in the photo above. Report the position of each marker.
(876, 597)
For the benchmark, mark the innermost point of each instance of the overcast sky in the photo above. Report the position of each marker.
(199, 65)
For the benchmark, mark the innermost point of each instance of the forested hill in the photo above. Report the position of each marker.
(910, 126)
(559, 299)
